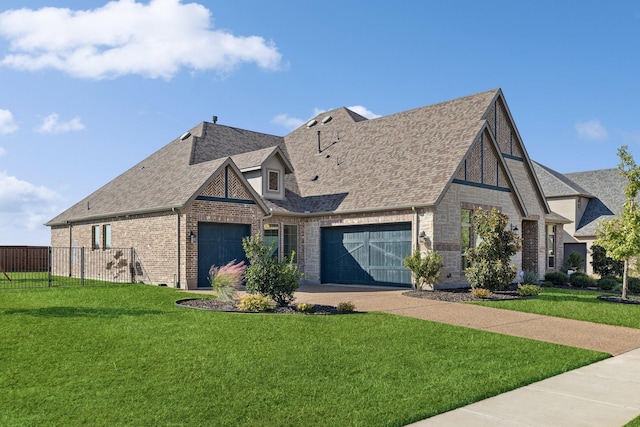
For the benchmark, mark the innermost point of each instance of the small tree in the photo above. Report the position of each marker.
(426, 270)
(490, 260)
(604, 265)
(574, 261)
(267, 275)
(620, 237)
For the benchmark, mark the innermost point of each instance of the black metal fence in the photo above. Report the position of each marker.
(43, 266)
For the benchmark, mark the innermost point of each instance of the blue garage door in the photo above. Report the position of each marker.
(217, 245)
(369, 255)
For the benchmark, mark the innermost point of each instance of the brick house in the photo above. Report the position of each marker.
(351, 196)
(585, 198)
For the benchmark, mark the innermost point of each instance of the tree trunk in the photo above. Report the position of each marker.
(624, 279)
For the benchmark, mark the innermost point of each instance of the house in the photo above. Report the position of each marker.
(351, 197)
(585, 198)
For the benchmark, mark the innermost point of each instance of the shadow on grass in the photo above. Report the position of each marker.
(82, 312)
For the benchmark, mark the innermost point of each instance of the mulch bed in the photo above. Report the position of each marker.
(462, 295)
(231, 307)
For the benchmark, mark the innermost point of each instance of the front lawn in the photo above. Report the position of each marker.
(575, 304)
(126, 355)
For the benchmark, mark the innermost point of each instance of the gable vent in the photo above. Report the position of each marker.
(326, 120)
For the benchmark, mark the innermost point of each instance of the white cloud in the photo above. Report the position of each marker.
(52, 124)
(7, 123)
(291, 123)
(123, 37)
(24, 207)
(592, 130)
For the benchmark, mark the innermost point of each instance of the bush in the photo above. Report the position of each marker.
(426, 270)
(633, 285)
(304, 307)
(557, 278)
(346, 307)
(547, 284)
(481, 293)
(225, 279)
(530, 278)
(607, 283)
(581, 280)
(256, 303)
(267, 275)
(490, 260)
(574, 261)
(604, 265)
(528, 290)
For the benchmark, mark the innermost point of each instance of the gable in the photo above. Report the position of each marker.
(482, 167)
(227, 186)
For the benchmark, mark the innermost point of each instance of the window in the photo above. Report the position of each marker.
(466, 236)
(271, 238)
(95, 237)
(551, 246)
(106, 236)
(290, 244)
(274, 181)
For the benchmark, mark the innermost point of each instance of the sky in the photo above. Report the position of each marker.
(90, 88)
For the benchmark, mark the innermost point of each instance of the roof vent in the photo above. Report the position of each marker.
(214, 119)
(185, 136)
(312, 123)
(314, 178)
(326, 120)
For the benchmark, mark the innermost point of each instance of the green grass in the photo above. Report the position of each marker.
(126, 355)
(40, 279)
(574, 304)
(633, 423)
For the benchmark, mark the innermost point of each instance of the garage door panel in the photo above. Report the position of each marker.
(371, 254)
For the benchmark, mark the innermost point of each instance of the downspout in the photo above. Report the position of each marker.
(416, 222)
(261, 231)
(178, 234)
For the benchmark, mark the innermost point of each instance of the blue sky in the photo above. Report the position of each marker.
(90, 88)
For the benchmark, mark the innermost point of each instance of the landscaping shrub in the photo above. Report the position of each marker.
(581, 280)
(574, 261)
(267, 275)
(607, 283)
(346, 307)
(547, 284)
(528, 290)
(490, 260)
(256, 303)
(425, 269)
(225, 279)
(481, 293)
(557, 278)
(304, 307)
(530, 278)
(604, 265)
(633, 285)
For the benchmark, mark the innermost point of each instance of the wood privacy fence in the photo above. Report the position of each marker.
(45, 266)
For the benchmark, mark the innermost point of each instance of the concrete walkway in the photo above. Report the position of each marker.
(603, 394)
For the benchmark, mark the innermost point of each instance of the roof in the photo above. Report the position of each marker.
(170, 177)
(348, 165)
(555, 184)
(341, 162)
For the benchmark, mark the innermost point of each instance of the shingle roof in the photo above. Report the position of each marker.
(401, 160)
(168, 178)
(554, 184)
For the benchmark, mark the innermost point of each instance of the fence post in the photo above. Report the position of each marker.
(82, 266)
(49, 257)
(132, 265)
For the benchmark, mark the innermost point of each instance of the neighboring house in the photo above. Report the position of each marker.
(585, 198)
(351, 196)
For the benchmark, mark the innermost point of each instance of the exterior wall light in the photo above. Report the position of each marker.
(192, 236)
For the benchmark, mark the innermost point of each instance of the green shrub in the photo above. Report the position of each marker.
(346, 307)
(528, 290)
(426, 270)
(557, 278)
(581, 280)
(256, 303)
(267, 275)
(607, 283)
(604, 265)
(530, 278)
(547, 284)
(633, 285)
(490, 261)
(574, 261)
(481, 293)
(304, 307)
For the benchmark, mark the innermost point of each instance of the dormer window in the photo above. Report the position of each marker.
(274, 181)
